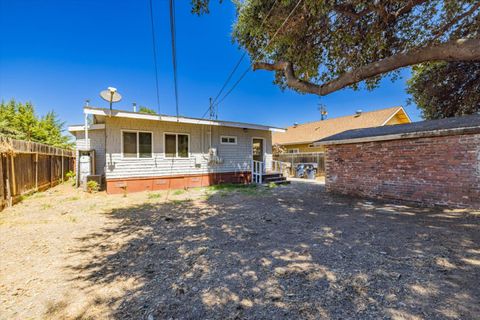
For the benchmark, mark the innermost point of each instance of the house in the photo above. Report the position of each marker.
(299, 138)
(135, 151)
(434, 162)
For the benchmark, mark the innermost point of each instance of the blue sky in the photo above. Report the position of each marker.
(58, 53)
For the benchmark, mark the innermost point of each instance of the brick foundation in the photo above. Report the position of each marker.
(430, 171)
(174, 182)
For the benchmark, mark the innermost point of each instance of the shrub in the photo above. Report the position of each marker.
(70, 176)
(92, 186)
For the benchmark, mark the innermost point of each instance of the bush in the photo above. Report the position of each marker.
(92, 186)
(70, 175)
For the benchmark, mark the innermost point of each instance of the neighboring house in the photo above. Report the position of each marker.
(300, 137)
(135, 151)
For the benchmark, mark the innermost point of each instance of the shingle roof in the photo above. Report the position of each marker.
(471, 121)
(313, 131)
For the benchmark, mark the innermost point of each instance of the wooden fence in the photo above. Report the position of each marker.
(27, 167)
(303, 157)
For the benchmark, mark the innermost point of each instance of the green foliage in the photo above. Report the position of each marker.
(178, 192)
(325, 39)
(70, 175)
(19, 121)
(92, 186)
(146, 110)
(154, 195)
(443, 90)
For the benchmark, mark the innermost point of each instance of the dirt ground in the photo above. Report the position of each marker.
(235, 253)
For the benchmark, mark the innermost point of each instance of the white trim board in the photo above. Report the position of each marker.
(81, 127)
(136, 115)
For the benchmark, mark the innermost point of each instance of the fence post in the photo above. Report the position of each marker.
(36, 171)
(14, 182)
(51, 170)
(7, 181)
(62, 165)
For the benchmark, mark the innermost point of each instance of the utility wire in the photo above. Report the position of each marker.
(155, 56)
(265, 47)
(238, 62)
(174, 51)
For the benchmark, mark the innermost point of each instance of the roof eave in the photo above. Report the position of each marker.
(81, 127)
(399, 136)
(135, 115)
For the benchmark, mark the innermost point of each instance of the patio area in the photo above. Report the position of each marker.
(291, 251)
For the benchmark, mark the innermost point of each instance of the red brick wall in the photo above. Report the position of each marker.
(431, 171)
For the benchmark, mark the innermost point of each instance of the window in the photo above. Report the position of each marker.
(177, 145)
(293, 150)
(136, 144)
(228, 140)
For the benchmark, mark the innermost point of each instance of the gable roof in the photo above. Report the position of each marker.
(470, 123)
(167, 118)
(313, 131)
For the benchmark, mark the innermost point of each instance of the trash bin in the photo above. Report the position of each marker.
(300, 171)
(311, 173)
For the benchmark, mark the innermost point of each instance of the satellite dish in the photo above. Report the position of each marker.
(111, 95)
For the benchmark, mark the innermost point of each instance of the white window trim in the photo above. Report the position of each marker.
(138, 144)
(176, 143)
(293, 150)
(228, 137)
(264, 147)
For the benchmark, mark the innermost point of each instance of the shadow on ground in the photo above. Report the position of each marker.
(292, 252)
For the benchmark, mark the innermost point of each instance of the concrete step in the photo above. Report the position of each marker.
(273, 179)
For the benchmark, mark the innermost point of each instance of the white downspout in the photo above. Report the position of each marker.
(87, 143)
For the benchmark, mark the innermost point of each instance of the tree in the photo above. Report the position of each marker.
(444, 89)
(19, 121)
(146, 110)
(328, 45)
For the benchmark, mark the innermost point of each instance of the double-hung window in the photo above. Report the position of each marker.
(136, 144)
(177, 145)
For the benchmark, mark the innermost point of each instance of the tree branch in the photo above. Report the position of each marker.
(447, 26)
(455, 50)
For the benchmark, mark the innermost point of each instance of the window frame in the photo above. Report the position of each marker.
(229, 143)
(138, 143)
(176, 145)
(293, 150)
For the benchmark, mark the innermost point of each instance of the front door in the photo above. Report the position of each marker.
(257, 149)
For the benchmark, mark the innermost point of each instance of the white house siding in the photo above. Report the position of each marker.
(96, 142)
(236, 158)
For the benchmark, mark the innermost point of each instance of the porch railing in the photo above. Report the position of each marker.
(279, 166)
(257, 171)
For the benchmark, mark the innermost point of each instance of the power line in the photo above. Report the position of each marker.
(155, 56)
(265, 47)
(174, 51)
(238, 63)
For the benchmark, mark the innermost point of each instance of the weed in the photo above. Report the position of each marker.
(92, 186)
(46, 206)
(73, 198)
(177, 202)
(72, 219)
(272, 185)
(154, 195)
(178, 192)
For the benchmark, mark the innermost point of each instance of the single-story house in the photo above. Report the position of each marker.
(135, 151)
(300, 137)
(435, 162)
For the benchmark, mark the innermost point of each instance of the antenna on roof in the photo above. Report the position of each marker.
(111, 95)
